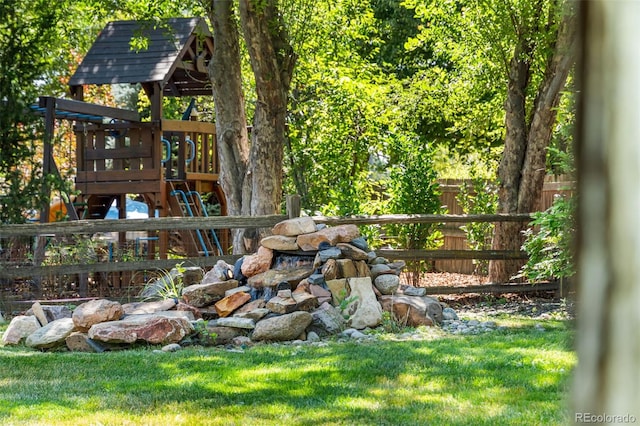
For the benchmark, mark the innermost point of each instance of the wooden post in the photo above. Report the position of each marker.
(293, 206)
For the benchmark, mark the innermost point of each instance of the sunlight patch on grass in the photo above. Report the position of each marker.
(518, 376)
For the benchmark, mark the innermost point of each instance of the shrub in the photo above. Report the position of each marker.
(548, 242)
(478, 197)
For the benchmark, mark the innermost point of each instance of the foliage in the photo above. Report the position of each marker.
(560, 156)
(549, 242)
(517, 376)
(478, 197)
(78, 249)
(165, 285)
(27, 34)
(413, 188)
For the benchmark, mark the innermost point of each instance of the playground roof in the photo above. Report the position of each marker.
(176, 57)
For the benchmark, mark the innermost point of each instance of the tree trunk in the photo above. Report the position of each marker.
(522, 168)
(231, 124)
(272, 61)
(607, 378)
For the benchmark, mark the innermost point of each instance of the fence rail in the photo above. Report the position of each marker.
(87, 227)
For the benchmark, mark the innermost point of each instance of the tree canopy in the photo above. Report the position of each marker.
(373, 92)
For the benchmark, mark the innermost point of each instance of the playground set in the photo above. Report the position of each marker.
(169, 164)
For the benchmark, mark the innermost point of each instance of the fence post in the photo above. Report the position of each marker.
(293, 206)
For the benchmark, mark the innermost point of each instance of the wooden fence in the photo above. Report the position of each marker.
(10, 272)
(455, 239)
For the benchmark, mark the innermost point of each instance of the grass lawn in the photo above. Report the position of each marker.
(517, 376)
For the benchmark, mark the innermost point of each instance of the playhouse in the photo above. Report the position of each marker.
(171, 165)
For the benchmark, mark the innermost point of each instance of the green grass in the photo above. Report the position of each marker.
(514, 377)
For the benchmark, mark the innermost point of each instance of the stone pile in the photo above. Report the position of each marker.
(304, 282)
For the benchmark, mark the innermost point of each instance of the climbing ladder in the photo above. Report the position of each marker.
(187, 203)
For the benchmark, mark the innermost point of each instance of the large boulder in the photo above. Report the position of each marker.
(327, 320)
(153, 328)
(282, 328)
(280, 243)
(273, 277)
(96, 311)
(364, 309)
(331, 235)
(200, 295)
(51, 335)
(294, 227)
(413, 311)
(19, 329)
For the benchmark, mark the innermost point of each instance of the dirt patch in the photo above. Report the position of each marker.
(536, 304)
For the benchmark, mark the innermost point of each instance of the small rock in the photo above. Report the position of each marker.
(80, 342)
(171, 347)
(347, 268)
(282, 306)
(257, 263)
(284, 294)
(358, 335)
(312, 336)
(255, 314)
(244, 288)
(330, 253)
(330, 270)
(386, 283)
(352, 252)
(327, 320)
(38, 312)
(414, 291)
(136, 308)
(379, 269)
(449, 314)
(227, 305)
(360, 243)
(246, 323)
(241, 341)
(316, 279)
(222, 335)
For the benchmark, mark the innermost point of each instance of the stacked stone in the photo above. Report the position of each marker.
(343, 286)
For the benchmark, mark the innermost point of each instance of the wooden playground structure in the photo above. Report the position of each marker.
(170, 164)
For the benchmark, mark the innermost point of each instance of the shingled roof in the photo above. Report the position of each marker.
(177, 56)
